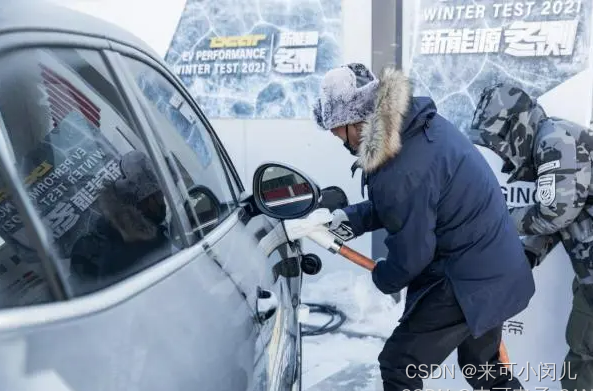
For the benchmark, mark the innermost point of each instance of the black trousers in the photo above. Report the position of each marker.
(429, 335)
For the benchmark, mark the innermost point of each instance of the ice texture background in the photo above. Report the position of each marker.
(455, 81)
(268, 95)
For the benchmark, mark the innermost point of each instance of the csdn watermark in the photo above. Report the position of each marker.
(541, 371)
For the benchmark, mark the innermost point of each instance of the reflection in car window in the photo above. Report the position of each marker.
(22, 280)
(186, 139)
(85, 169)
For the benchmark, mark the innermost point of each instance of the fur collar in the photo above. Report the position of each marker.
(380, 134)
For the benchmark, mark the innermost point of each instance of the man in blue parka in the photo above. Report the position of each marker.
(450, 238)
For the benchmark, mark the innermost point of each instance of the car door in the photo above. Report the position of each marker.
(267, 272)
(146, 315)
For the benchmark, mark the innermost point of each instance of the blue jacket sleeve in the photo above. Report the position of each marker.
(363, 217)
(412, 247)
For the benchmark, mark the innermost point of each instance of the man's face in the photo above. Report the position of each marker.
(350, 136)
(340, 132)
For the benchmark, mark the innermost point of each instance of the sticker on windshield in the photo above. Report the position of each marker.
(176, 100)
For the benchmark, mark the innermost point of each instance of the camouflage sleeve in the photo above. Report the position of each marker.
(563, 178)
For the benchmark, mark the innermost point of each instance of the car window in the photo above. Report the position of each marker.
(85, 169)
(195, 158)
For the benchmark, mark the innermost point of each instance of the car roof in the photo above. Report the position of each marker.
(42, 15)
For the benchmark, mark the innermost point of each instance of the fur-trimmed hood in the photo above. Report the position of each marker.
(381, 134)
(128, 220)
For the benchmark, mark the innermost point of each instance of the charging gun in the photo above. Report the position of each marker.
(315, 227)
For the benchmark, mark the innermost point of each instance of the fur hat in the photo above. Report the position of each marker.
(347, 96)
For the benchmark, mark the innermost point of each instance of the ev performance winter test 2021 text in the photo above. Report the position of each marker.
(540, 372)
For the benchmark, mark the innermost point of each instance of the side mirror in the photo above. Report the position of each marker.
(283, 192)
(204, 205)
(333, 198)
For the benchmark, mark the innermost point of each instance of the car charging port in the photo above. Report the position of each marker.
(311, 264)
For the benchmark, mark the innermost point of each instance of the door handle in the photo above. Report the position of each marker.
(266, 304)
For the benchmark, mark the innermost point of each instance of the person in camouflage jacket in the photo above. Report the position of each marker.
(556, 155)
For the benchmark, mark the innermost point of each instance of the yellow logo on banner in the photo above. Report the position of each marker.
(236, 41)
(37, 173)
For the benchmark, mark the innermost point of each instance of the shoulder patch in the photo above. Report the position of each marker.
(548, 166)
(546, 189)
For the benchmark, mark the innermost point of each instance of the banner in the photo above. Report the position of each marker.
(456, 49)
(256, 59)
(460, 47)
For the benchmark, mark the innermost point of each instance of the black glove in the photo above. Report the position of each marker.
(531, 258)
(537, 247)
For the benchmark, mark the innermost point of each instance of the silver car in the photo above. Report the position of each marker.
(131, 257)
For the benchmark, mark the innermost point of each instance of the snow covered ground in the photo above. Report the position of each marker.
(335, 362)
(338, 363)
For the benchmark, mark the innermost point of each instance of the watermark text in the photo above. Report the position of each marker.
(539, 372)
